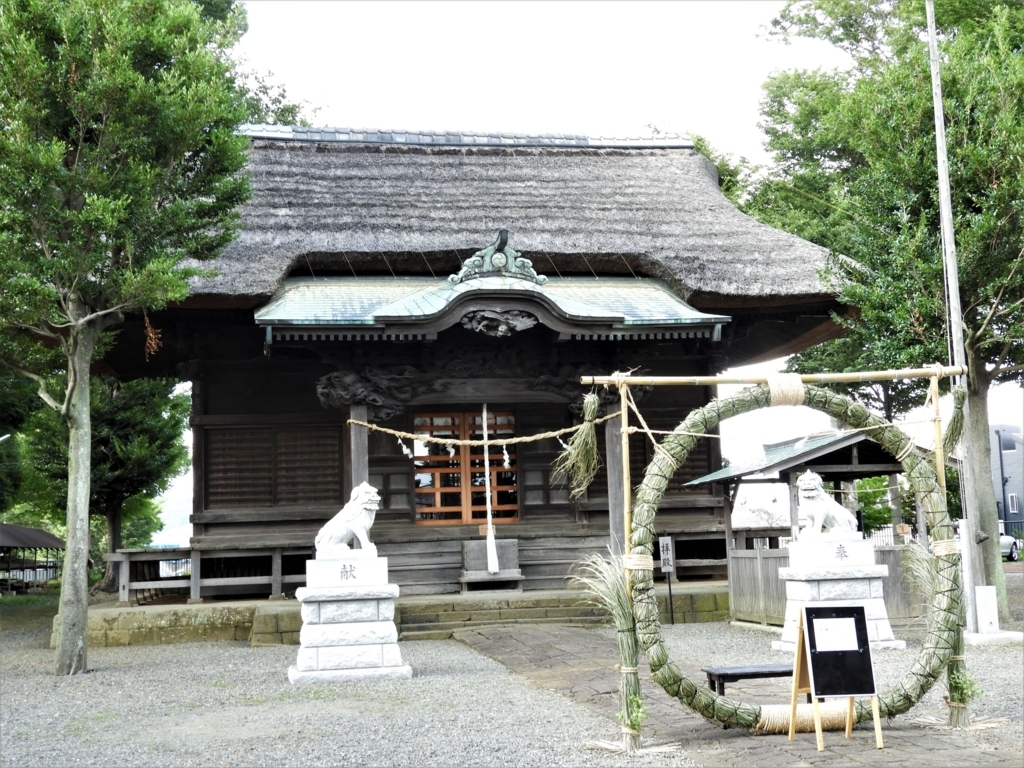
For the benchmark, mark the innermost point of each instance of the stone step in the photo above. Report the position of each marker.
(514, 613)
(430, 625)
(444, 631)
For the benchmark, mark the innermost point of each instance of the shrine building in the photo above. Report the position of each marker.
(408, 279)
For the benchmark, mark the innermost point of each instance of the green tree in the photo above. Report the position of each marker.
(17, 402)
(120, 160)
(873, 496)
(856, 172)
(137, 448)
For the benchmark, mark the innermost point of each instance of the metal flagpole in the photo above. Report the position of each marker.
(970, 509)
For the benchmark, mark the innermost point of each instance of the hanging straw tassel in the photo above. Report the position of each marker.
(955, 427)
(492, 548)
(580, 459)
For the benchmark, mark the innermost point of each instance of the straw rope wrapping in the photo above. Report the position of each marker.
(603, 580)
(945, 631)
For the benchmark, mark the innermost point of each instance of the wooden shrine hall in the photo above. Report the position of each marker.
(409, 279)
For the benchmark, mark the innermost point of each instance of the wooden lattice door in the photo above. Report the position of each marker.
(450, 479)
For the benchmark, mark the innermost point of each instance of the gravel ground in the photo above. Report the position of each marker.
(225, 704)
(999, 670)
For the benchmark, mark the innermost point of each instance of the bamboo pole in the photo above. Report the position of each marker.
(811, 378)
(950, 268)
(940, 460)
(626, 500)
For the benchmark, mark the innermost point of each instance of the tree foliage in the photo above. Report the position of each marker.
(137, 445)
(137, 448)
(856, 173)
(872, 495)
(17, 402)
(122, 170)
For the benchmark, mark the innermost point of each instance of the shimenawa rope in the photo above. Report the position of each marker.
(476, 443)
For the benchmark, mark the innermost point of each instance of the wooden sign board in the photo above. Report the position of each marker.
(838, 651)
(665, 545)
(833, 659)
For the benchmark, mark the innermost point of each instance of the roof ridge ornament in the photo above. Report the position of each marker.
(497, 259)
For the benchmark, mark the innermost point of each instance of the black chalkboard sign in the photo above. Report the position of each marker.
(838, 651)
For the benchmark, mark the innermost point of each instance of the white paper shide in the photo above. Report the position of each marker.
(348, 606)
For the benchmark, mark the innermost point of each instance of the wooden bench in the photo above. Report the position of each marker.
(719, 676)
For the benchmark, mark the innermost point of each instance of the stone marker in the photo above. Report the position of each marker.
(988, 610)
(836, 567)
(348, 606)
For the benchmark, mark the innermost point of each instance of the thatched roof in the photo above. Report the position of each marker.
(374, 203)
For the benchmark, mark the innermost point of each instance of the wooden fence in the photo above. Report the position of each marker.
(756, 593)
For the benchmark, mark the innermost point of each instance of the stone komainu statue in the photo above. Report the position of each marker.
(820, 509)
(351, 525)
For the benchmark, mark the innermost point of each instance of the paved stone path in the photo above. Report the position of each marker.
(580, 664)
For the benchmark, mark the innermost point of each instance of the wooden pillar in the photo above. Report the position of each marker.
(922, 525)
(728, 497)
(124, 595)
(895, 503)
(616, 491)
(356, 458)
(275, 575)
(794, 506)
(195, 593)
(762, 609)
(198, 450)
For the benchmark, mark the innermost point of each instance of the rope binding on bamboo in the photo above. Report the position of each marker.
(786, 389)
(945, 547)
(638, 562)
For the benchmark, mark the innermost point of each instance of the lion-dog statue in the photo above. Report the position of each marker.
(820, 509)
(350, 526)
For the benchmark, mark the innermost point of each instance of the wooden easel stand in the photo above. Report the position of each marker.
(802, 684)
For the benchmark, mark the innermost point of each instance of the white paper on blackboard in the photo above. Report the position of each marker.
(835, 635)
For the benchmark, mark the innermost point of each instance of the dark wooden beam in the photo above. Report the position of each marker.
(616, 495)
(866, 470)
(356, 456)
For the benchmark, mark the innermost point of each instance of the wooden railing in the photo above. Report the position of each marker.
(140, 573)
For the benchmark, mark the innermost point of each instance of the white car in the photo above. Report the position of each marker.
(1009, 547)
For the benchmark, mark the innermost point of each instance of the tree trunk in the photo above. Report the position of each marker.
(74, 589)
(988, 516)
(112, 571)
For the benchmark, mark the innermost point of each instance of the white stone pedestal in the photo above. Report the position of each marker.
(348, 630)
(836, 569)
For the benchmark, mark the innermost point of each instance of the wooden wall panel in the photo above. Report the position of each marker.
(308, 466)
(239, 468)
(271, 466)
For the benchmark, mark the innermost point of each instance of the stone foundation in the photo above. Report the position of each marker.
(348, 632)
(859, 585)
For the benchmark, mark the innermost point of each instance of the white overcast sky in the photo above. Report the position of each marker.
(594, 68)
